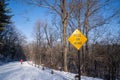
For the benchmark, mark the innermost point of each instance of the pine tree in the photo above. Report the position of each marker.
(4, 17)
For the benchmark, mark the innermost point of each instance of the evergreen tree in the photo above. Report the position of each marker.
(4, 21)
(4, 15)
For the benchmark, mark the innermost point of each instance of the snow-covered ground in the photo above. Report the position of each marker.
(16, 71)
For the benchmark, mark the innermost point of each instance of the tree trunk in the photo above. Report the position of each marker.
(64, 18)
(86, 25)
(65, 45)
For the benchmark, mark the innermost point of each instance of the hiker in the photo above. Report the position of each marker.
(21, 61)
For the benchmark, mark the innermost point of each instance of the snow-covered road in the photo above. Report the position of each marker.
(16, 71)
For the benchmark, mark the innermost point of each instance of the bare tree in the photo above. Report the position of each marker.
(63, 8)
(49, 39)
(38, 34)
(87, 16)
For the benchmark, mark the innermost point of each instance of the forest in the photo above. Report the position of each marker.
(98, 20)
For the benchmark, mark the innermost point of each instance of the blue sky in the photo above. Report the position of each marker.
(25, 17)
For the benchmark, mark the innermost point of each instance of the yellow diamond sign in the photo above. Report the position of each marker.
(77, 39)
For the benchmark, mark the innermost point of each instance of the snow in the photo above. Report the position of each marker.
(25, 71)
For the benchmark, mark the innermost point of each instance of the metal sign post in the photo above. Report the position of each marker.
(77, 39)
(79, 71)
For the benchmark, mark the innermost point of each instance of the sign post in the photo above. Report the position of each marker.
(77, 39)
(79, 71)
